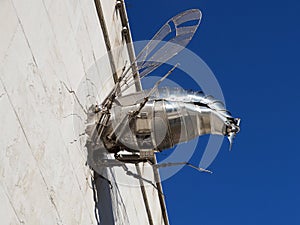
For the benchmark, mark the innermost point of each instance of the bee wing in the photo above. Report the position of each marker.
(173, 37)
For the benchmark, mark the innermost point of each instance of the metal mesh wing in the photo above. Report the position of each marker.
(179, 30)
(173, 37)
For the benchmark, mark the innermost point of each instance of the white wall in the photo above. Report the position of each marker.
(47, 50)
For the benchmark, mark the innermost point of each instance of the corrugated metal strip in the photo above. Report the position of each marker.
(106, 38)
(127, 36)
(160, 195)
(144, 195)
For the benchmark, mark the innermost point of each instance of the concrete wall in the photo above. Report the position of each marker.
(49, 50)
(46, 48)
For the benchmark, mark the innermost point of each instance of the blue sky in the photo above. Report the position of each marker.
(253, 49)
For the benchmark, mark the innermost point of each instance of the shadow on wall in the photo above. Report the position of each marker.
(102, 197)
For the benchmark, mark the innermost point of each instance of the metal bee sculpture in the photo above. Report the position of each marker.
(135, 126)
